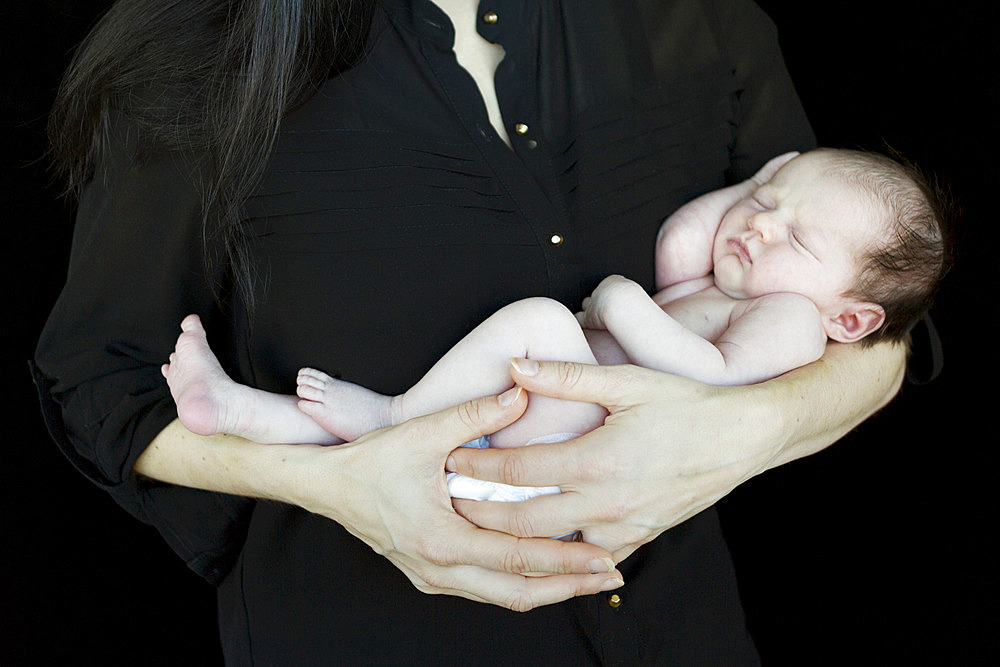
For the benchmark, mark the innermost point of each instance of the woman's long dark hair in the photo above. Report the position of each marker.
(211, 78)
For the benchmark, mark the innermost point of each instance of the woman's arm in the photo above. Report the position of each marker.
(377, 488)
(671, 446)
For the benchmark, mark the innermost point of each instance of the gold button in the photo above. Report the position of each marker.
(521, 128)
(490, 17)
(614, 600)
(556, 239)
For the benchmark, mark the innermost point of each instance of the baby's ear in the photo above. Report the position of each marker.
(855, 321)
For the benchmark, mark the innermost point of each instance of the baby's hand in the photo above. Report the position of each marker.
(608, 299)
(765, 173)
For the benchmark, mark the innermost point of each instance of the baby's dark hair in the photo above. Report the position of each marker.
(903, 271)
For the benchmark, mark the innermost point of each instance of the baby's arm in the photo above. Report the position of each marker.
(684, 243)
(766, 336)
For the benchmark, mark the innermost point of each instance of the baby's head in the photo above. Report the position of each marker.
(904, 266)
(859, 234)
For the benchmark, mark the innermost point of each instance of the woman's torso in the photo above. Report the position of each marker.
(393, 219)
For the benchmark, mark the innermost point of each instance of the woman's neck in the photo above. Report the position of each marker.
(477, 56)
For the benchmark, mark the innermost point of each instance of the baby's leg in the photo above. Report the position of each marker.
(209, 402)
(478, 365)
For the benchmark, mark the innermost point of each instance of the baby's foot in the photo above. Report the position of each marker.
(207, 399)
(340, 407)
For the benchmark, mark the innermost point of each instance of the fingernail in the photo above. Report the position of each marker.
(612, 584)
(449, 465)
(509, 396)
(525, 366)
(601, 565)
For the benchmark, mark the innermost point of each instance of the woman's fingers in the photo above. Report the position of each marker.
(547, 464)
(557, 463)
(654, 463)
(514, 573)
(499, 569)
(467, 421)
(538, 517)
(605, 385)
(388, 489)
(511, 591)
(501, 552)
(524, 593)
(463, 543)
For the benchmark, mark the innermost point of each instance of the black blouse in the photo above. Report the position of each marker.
(392, 219)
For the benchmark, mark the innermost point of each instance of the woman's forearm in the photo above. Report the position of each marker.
(819, 403)
(224, 463)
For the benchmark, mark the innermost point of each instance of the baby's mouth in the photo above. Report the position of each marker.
(741, 249)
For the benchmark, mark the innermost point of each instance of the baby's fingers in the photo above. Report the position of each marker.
(772, 166)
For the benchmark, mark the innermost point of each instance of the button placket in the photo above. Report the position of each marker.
(525, 139)
(520, 110)
(521, 130)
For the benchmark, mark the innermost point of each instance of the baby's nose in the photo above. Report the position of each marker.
(763, 226)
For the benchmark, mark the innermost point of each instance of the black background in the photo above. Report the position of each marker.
(873, 551)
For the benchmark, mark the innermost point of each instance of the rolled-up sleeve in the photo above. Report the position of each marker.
(135, 271)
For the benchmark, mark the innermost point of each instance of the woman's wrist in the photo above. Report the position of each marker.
(324, 480)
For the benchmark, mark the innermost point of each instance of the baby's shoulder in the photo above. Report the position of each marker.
(786, 312)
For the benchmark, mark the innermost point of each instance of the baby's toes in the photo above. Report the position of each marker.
(313, 409)
(314, 376)
(309, 392)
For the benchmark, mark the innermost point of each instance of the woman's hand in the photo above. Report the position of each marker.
(388, 489)
(670, 447)
(661, 457)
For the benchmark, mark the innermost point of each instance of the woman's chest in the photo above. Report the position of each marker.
(391, 221)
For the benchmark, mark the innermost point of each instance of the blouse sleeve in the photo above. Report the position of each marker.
(135, 271)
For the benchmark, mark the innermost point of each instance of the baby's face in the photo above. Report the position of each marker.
(800, 232)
